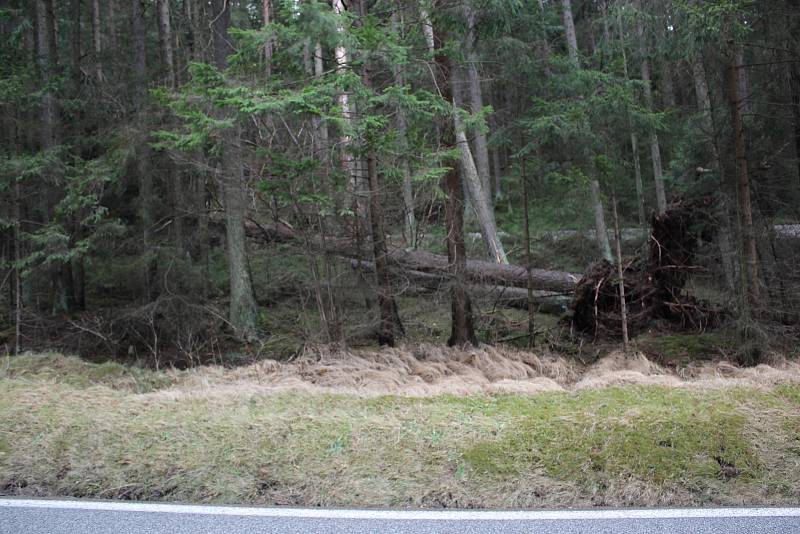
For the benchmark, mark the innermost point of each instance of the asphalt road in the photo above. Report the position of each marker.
(90, 517)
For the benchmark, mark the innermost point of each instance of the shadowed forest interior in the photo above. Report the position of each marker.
(187, 182)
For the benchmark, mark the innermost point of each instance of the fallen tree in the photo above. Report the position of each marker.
(477, 271)
(418, 282)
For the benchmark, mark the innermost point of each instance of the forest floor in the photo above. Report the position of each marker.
(415, 426)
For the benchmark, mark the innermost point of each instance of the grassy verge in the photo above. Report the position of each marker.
(89, 431)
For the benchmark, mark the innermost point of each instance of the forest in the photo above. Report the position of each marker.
(188, 182)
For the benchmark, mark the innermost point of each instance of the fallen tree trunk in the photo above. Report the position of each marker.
(478, 271)
(418, 282)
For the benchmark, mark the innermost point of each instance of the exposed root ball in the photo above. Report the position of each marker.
(654, 280)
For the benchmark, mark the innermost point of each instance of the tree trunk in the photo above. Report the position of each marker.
(478, 271)
(197, 29)
(794, 81)
(61, 293)
(621, 274)
(427, 27)
(750, 276)
(637, 164)
(569, 30)
(139, 55)
(528, 260)
(97, 41)
(478, 199)
(165, 40)
(76, 48)
(350, 166)
(462, 330)
(46, 57)
(727, 252)
(268, 43)
(390, 325)
(601, 231)
(243, 309)
(544, 45)
(481, 150)
(409, 219)
(655, 148)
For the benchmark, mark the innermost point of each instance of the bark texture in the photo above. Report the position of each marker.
(243, 311)
(655, 146)
(750, 275)
(165, 40)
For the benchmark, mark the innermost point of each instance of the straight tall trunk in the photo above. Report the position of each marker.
(427, 26)
(544, 45)
(199, 36)
(750, 276)
(600, 228)
(462, 331)
(243, 311)
(46, 56)
(97, 41)
(481, 147)
(390, 325)
(76, 48)
(165, 40)
(795, 89)
(138, 37)
(265, 15)
(569, 30)
(528, 260)
(703, 97)
(621, 275)
(655, 148)
(409, 219)
(348, 162)
(637, 164)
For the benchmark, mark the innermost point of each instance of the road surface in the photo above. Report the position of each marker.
(91, 517)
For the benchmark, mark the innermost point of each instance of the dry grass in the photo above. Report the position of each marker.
(421, 426)
(430, 370)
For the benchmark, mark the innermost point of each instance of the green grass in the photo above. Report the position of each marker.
(83, 430)
(655, 434)
(41, 368)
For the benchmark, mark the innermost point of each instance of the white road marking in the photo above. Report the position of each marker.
(404, 515)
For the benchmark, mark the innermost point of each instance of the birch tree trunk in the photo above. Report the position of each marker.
(427, 26)
(655, 148)
(349, 165)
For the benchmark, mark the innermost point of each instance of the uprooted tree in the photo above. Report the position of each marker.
(654, 280)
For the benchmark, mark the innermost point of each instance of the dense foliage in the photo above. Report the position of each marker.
(182, 180)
